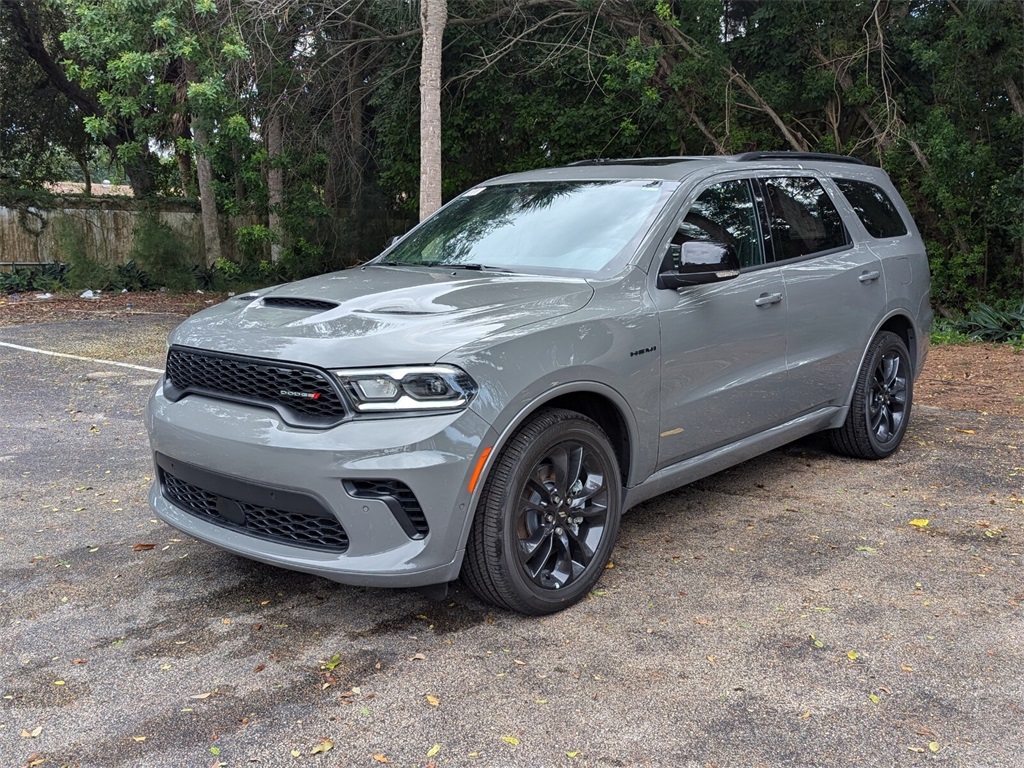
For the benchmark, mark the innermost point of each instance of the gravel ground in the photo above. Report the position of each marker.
(783, 613)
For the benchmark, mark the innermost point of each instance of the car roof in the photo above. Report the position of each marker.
(678, 168)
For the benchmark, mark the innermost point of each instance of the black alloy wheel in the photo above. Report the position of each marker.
(548, 516)
(882, 398)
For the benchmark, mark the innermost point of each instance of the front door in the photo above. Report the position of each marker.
(723, 345)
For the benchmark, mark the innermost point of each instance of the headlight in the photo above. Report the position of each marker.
(413, 388)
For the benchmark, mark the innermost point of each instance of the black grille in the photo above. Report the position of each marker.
(400, 500)
(321, 532)
(304, 396)
(287, 302)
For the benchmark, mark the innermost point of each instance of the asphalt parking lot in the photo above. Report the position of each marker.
(783, 613)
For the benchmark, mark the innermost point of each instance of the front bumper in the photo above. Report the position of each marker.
(252, 454)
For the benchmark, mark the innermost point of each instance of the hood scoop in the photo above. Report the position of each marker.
(290, 302)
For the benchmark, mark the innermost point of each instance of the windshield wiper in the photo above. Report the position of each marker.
(474, 266)
(442, 265)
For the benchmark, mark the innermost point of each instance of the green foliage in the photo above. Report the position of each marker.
(163, 255)
(84, 272)
(986, 323)
(45, 277)
(930, 90)
(947, 332)
(254, 241)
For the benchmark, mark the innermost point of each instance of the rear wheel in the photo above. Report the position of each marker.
(548, 516)
(880, 410)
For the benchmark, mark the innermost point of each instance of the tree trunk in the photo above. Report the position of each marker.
(433, 17)
(84, 165)
(207, 199)
(275, 184)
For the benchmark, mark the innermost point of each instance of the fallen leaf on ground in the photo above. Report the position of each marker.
(381, 758)
(510, 740)
(920, 522)
(417, 657)
(142, 547)
(433, 750)
(202, 695)
(26, 734)
(325, 746)
(433, 700)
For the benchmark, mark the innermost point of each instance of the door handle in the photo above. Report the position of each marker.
(767, 298)
(867, 277)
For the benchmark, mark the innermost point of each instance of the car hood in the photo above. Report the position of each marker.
(379, 315)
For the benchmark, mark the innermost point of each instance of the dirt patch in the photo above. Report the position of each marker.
(986, 378)
(17, 309)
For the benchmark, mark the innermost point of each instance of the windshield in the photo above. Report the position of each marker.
(563, 227)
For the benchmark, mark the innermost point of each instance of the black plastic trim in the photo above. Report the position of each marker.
(232, 489)
(821, 157)
(398, 498)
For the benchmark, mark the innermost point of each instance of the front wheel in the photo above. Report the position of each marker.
(548, 516)
(880, 410)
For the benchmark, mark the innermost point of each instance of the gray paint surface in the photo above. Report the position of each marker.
(701, 378)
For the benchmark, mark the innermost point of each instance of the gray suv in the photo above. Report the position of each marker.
(489, 395)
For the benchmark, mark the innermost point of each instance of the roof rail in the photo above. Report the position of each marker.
(633, 161)
(820, 156)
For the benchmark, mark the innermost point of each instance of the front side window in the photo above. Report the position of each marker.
(802, 218)
(558, 227)
(873, 207)
(724, 213)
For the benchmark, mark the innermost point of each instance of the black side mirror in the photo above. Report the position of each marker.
(700, 263)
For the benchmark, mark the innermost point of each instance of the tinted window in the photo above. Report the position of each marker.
(802, 218)
(724, 214)
(873, 207)
(576, 227)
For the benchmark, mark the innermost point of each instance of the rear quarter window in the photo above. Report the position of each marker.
(873, 207)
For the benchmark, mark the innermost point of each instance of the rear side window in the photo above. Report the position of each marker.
(874, 208)
(801, 217)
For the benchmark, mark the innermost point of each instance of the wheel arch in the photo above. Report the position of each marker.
(903, 326)
(592, 399)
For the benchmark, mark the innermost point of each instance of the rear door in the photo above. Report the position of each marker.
(835, 289)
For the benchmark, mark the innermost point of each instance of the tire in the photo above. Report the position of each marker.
(882, 398)
(548, 516)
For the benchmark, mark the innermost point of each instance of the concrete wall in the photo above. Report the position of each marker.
(104, 226)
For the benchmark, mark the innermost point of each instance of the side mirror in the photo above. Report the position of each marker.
(391, 241)
(700, 263)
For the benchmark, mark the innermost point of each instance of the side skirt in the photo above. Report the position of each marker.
(709, 463)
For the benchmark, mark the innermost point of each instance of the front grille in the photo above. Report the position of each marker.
(288, 302)
(315, 531)
(400, 500)
(302, 395)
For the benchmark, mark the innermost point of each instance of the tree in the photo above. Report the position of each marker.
(433, 16)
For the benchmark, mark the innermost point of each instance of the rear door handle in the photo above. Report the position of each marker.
(867, 277)
(768, 298)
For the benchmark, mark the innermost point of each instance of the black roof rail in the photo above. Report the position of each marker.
(819, 156)
(633, 161)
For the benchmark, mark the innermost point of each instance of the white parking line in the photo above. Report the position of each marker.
(79, 357)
